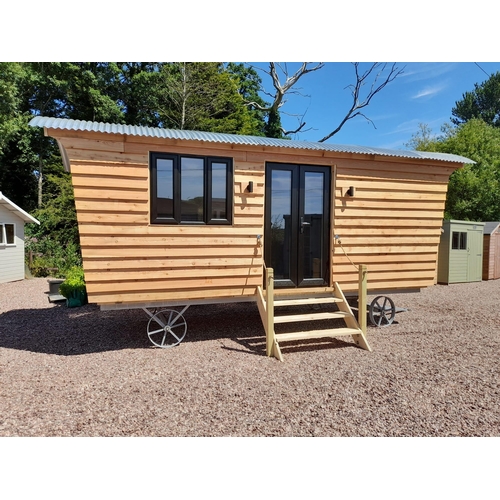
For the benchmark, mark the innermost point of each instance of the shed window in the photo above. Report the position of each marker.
(191, 189)
(7, 234)
(459, 240)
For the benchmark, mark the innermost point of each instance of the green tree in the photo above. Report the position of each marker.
(249, 85)
(82, 91)
(139, 92)
(202, 96)
(10, 99)
(474, 190)
(55, 242)
(17, 175)
(423, 139)
(483, 102)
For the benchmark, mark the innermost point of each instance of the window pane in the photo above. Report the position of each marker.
(314, 187)
(9, 233)
(281, 227)
(1, 234)
(192, 189)
(165, 187)
(454, 240)
(463, 241)
(219, 178)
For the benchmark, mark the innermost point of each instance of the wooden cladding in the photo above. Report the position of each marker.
(392, 224)
(128, 260)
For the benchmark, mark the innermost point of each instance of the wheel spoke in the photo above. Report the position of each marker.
(156, 331)
(172, 322)
(158, 319)
(177, 326)
(174, 335)
(164, 337)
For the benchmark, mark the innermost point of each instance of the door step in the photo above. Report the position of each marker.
(292, 318)
(307, 301)
(317, 334)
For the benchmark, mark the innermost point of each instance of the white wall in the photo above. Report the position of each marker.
(12, 257)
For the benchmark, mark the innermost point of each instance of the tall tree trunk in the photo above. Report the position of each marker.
(40, 180)
(184, 97)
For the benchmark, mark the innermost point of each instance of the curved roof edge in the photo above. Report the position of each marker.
(249, 140)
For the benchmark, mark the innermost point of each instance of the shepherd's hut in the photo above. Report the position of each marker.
(177, 217)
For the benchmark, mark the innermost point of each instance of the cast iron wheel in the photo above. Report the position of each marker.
(382, 311)
(167, 328)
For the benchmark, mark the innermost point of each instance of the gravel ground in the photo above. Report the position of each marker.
(86, 372)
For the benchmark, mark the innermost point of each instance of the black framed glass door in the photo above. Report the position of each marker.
(297, 224)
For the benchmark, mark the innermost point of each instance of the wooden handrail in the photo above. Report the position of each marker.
(269, 310)
(362, 292)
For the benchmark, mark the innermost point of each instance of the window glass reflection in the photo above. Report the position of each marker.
(281, 209)
(219, 183)
(192, 174)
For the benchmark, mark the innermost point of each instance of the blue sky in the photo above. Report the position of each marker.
(424, 93)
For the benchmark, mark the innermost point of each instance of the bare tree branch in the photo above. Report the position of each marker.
(284, 84)
(290, 132)
(356, 88)
(281, 89)
(257, 106)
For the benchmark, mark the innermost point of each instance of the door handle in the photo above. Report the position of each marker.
(303, 223)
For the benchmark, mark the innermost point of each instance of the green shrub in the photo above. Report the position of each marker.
(73, 288)
(51, 258)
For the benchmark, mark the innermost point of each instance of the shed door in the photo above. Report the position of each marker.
(297, 224)
(475, 254)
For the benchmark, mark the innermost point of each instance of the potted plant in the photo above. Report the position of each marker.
(73, 288)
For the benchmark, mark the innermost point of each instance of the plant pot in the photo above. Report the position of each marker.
(54, 285)
(77, 299)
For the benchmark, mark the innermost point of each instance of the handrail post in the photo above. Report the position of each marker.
(362, 292)
(270, 310)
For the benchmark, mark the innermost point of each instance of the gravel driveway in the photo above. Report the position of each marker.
(83, 372)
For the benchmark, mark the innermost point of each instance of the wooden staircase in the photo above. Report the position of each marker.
(300, 311)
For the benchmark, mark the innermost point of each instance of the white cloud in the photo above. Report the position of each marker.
(429, 91)
(424, 71)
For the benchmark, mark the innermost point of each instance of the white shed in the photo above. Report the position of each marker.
(12, 220)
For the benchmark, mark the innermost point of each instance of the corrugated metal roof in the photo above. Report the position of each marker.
(248, 140)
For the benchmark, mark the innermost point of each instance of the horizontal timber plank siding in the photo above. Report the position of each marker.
(392, 224)
(128, 260)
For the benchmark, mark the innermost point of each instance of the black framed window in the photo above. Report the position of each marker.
(458, 240)
(191, 189)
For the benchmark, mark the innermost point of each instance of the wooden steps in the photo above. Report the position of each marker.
(307, 309)
(316, 334)
(306, 301)
(292, 318)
